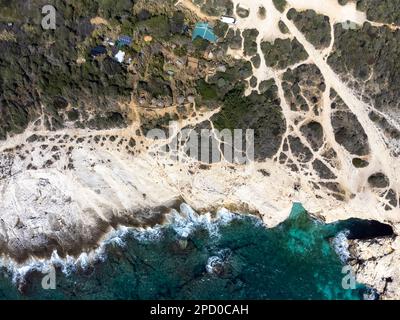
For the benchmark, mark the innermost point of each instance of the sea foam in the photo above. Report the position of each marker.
(183, 222)
(341, 245)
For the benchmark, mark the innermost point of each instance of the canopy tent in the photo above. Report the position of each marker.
(203, 30)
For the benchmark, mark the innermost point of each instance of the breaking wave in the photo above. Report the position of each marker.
(67, 265)
(341, 245)
(215, 263)
(183, 222)
(187, 220)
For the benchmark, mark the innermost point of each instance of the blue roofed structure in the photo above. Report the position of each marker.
(203, 30)
(124, 41)
(97, 51)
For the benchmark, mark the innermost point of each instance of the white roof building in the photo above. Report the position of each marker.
(120, 56)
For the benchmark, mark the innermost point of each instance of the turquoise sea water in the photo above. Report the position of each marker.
(234, 259)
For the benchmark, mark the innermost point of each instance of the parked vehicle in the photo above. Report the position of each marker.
(227, 19)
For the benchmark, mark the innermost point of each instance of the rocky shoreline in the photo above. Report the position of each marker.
(184, 221)
(374, 263)
(76, 157)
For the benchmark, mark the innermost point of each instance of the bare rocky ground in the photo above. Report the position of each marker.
(316, 80)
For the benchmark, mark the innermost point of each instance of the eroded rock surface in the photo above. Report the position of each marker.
(315, 80)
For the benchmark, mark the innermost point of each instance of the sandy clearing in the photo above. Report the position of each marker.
(195, 9)
(99, 21)
(332, 9)
(267, 27)
(379, 150)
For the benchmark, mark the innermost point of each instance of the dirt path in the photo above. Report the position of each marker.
(379, 150)
(195, 9)
(380, 158)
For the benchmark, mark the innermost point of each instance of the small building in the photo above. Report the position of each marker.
(228, 20)
(120, 56)
(205, 31)
(124, 41)
(98, 51)
(192, 63)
